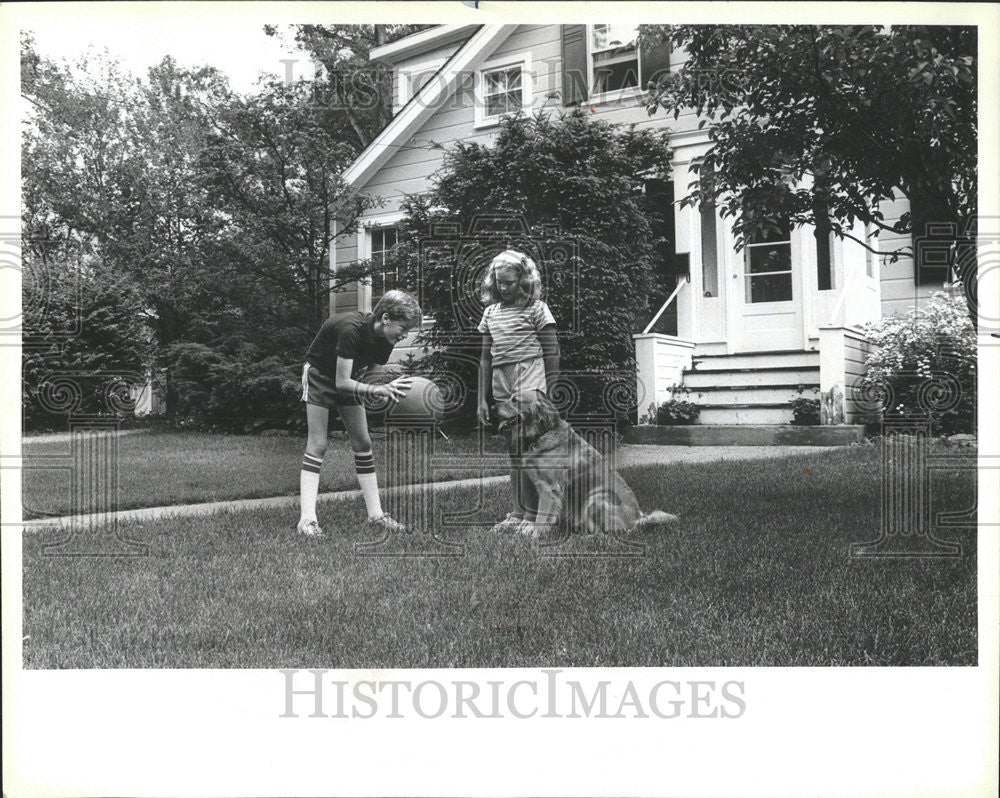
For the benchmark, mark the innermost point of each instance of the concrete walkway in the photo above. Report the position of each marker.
(59, 437)
(646, 454)
(628, 455)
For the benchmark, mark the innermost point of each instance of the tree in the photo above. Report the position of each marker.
(863, 113)
(209, 210)
(108, 171)
(272, 169)
(576, 182)
(355, 91)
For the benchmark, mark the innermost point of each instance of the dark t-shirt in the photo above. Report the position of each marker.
(352, 337)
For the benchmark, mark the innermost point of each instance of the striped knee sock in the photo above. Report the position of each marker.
(309, 485)
(364, 465)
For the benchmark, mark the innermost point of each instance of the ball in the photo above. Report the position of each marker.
(423, 402)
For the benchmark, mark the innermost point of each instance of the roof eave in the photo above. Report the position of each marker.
(425, 103)
(420, 42)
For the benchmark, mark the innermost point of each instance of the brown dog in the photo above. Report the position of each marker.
(576, 486)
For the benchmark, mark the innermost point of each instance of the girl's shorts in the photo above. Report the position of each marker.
(512, 380)
(318, 389)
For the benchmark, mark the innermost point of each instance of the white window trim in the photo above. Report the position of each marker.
(748, 276)
(605, 97)
(522, 60)
(367, 224)
(404, 84)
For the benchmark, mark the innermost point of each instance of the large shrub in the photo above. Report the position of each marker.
(576, 185)
(86, 342)
(924, 363)
(231, 389)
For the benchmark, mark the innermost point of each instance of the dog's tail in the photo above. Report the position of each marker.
(655, 517)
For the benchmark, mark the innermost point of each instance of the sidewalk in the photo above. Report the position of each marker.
(628, 455)
(58, 437)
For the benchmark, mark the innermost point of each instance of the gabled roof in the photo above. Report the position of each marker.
(422, 106)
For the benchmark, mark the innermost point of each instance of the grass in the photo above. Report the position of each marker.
(164, 468)
(756, 573)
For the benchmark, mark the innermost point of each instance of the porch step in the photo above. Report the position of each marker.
(750, 395)
(756, 413)
(750, 387)
(766, 376)
(746, 435)
(796, 358)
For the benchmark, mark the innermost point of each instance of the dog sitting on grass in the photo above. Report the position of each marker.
(577, 488)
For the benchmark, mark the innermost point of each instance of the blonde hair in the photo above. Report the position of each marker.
(528, 278)
(399, 306)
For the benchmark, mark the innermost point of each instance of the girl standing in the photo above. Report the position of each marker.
(520, 355)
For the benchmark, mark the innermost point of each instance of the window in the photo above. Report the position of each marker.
(502, 88)
(768, 265)
(614, 58)
(382, 240)
(709, 247)
(502, 93)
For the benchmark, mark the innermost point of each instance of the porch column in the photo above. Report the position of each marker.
(660, 363)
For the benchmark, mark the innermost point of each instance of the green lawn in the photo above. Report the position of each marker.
(755, 573)
(164, 468)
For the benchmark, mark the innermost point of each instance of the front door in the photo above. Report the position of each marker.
(767, 294)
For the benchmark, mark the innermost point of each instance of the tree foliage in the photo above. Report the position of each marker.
(807, 121)
(209, 210)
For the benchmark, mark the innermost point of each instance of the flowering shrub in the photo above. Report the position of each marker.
(924, 363)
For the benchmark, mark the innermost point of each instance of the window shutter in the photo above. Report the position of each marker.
(654, 63)
(932, 245)
(574, 64)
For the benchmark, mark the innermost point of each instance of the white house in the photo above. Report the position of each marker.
(744, 338)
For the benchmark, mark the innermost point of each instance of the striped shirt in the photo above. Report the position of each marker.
(515, 330)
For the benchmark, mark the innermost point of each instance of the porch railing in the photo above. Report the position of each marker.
(664, 306)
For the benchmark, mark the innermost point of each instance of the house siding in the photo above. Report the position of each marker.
(347, 252)
(900, 292)
(409, 170)
(856, 351)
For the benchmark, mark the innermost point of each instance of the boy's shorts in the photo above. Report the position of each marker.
(515, 379)
(318, 389)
